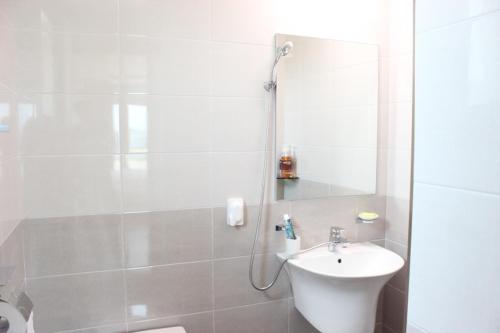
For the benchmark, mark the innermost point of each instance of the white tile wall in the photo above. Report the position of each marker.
(238, 124)
(155, 182)
(71, 185)
(75, 16)
(84, 71)
(165, 124)
(452, 285)
(236, 174)
(161, 66)
(432, 14)
(250, 22)
(239, 70)
(442, 265)
(181, 77)
(465, 114)
(174, 19)
(55, 124)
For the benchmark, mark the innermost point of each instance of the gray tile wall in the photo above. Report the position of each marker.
(118, 273)
(12, 258)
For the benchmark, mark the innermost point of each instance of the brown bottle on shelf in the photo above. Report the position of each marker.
(287, 163)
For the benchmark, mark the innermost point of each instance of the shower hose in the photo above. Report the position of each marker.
(270, 102)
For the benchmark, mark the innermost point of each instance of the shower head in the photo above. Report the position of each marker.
(286, 48)
(281, 51)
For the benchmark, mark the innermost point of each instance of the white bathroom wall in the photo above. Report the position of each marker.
(83, 74)
(454, 269)
(136, 119)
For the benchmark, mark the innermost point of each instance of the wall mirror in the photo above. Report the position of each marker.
(326, 118)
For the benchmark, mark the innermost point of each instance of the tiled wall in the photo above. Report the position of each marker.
(397, 110)
(171, 267)
(454, 274)
(11, 210)
(135, 120)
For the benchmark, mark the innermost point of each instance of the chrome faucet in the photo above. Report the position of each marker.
(336, 238)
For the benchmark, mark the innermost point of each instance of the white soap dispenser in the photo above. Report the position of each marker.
(235, 211)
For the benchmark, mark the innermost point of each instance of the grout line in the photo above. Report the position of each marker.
(120, 269)
(23, 248)
(53, 276)
(83, 329)
(121, 149)
(146, 267)
(396, 289)
(457, 22)
(386, 327)
(288, 317)
(458, 189)
(396, 242)
(211, 165)
(251, 305)
(180, 153)
(119, 34)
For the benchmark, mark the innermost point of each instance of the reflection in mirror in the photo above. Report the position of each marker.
(327, 104)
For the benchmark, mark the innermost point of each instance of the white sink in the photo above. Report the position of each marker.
(337, 292)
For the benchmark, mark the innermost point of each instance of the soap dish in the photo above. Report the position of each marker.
(367, 217)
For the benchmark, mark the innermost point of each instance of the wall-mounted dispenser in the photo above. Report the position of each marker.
(235, 211)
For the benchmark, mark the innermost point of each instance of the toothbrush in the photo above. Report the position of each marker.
(289, 230)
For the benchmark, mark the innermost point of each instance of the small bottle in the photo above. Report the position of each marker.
(287, 163)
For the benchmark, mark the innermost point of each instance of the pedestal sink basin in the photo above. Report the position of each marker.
(337, 292)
